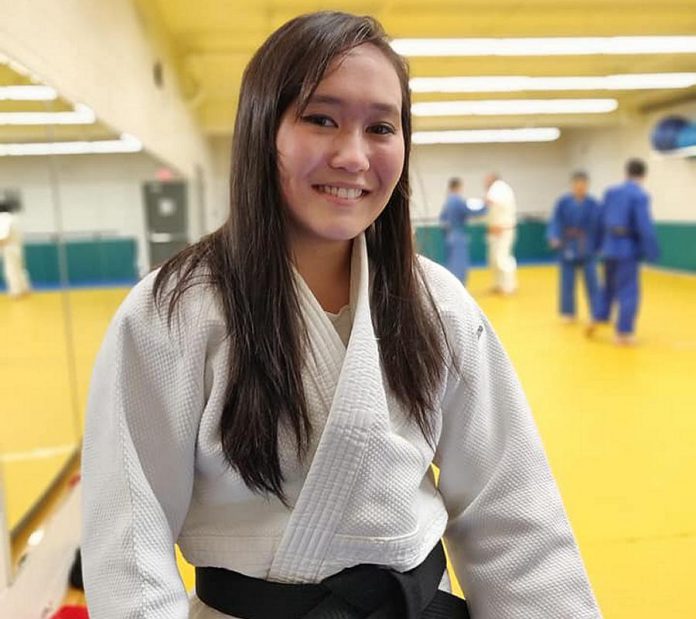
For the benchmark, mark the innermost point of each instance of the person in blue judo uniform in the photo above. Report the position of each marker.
(454, 218)
(627, 237)
(572, 231)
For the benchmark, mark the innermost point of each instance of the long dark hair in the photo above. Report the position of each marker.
(248, 262)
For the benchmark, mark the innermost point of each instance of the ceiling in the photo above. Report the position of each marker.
(16, 76)
(212, 41)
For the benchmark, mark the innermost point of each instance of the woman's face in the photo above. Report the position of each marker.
(340, 161)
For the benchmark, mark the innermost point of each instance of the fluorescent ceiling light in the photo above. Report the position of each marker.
(27, 93)
(18, 68)
(483, 136)
(548, 46)
(519, 83)
(514, 107)
(36, 537)
(126, 144)
(82, 115)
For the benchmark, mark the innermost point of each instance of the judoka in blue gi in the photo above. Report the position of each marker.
(454, 218)
(572, 231)
(627, 237)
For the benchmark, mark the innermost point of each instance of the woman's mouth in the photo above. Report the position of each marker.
(345, 193)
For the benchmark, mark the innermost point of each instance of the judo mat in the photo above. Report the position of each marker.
(618, 424)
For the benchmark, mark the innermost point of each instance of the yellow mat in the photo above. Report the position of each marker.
(619, 424)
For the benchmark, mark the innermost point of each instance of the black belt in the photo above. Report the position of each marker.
(574, 233)
(360, 592)
(620, 231)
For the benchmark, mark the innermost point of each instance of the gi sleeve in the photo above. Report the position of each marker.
(474, 207)
(553, 229)
(647, 239)
(508, 534)
(601, 223)
(144, 407)
(445, 216)
(595, 227)
(461, 207)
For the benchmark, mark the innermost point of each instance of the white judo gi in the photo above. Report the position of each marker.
(502, 220)
(154, 472)
(16, 276)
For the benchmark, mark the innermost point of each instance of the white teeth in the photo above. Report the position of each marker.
(342, 192)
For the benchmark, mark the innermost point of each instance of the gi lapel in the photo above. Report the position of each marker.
(358, 400)
(326, 354)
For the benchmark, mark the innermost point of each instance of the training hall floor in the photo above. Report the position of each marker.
(619, 424)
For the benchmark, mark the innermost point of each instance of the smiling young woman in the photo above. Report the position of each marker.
(341, 157)
(272, 399)
(339, 160)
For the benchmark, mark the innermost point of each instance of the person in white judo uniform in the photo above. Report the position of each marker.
(14, 269)
(272, 399)
(502, 224)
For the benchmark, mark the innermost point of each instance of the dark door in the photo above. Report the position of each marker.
(166, 216)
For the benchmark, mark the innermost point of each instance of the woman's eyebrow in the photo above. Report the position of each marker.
(378, 106)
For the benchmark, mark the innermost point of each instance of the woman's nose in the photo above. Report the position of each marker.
(350, 152)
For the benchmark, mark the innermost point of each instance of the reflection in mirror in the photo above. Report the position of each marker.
(84, 212)
(37, 433)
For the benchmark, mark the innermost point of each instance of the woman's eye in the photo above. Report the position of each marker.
(319, 120)
(382, 129)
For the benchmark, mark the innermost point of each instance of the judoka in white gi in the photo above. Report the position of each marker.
(14, 269)
(274, 397)
(502, 223)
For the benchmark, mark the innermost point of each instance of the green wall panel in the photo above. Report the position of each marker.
(477, 244)
(430, 241)
(105, 261)
(115, 260)
(677, 246)
(677, 243)
(530, 246)
(42, 262)
(89, 262)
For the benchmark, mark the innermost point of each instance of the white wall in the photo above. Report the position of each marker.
(102, 53)
(98, 194)
(670, 181)
(598, 152)
(221, 149)
(537, 172)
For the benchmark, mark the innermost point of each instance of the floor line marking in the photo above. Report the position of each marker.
(38, 454)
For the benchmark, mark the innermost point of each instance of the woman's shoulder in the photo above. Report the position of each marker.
(449, 294)
(148, 306)
(462, 319)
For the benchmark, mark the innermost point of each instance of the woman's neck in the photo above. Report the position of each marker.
(325, 268)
